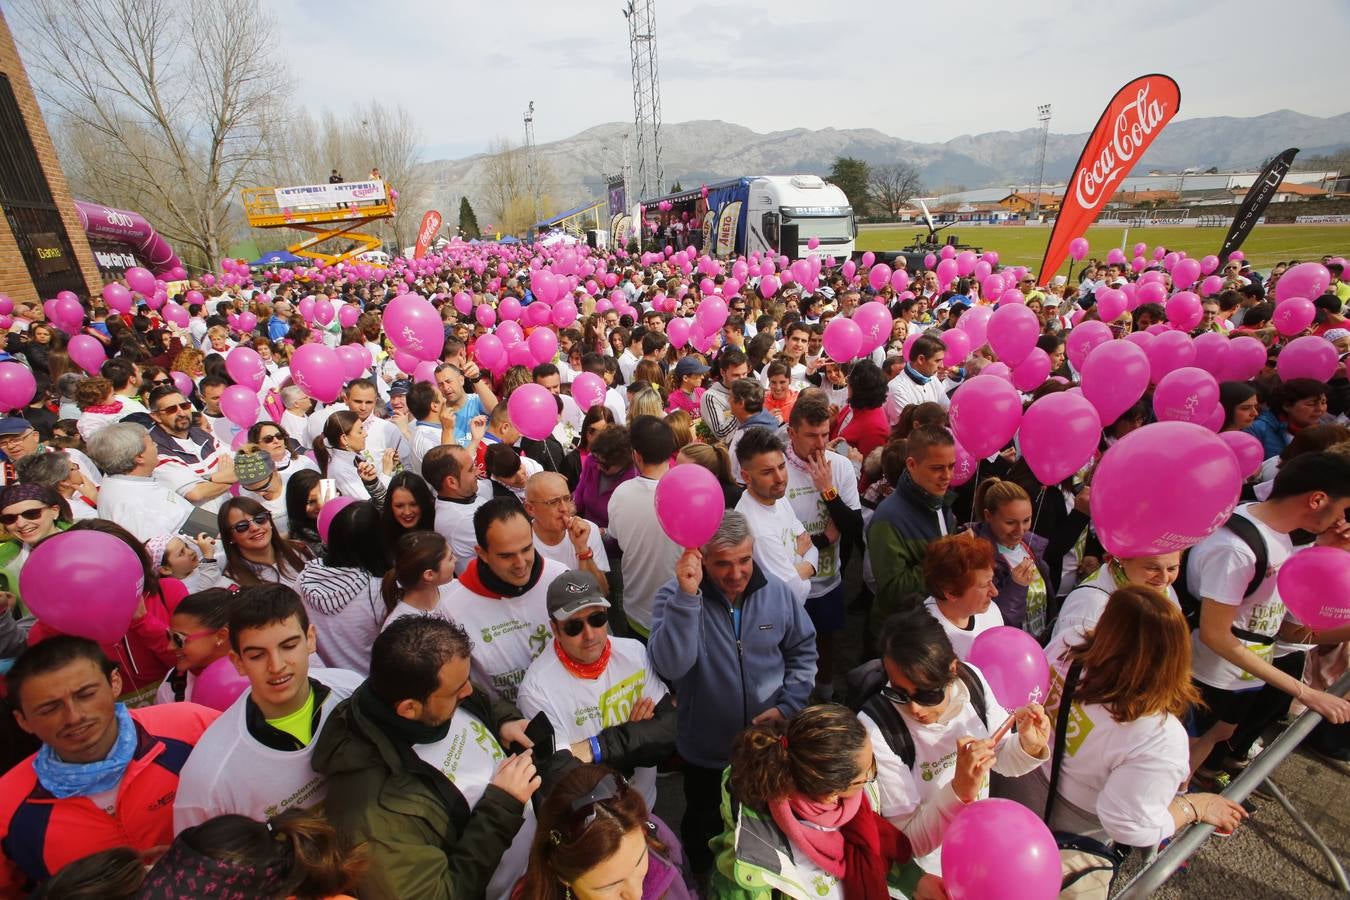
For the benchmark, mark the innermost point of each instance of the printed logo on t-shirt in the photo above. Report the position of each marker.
(453, 754)
(297, 799)
(931, 770)
(507, 684)
(822, 885)
(1077, 730)
(483, 738)
(538, 641)
(501, 629)
(617, 703)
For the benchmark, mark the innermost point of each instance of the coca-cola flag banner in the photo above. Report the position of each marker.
(431, 223)
(1132, 121)
(1256, 201)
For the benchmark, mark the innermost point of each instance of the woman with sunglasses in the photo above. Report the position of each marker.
(803, 791)
(938, 730)
(286, 455)
(596, 839)
(255, 550)
(29, 513)
(198, 637)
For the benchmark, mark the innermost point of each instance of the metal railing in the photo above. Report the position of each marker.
(1166, 863)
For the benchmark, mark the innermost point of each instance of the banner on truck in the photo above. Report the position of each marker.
(329, 194)
(1255, 203)
(1131, 122)
(728, 217)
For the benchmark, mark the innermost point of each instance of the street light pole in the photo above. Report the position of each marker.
(1043, 114)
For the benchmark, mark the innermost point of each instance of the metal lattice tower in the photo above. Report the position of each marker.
(1043, 114)
(641, 16)
(531, 170)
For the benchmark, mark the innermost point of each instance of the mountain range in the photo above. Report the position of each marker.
(704, 151)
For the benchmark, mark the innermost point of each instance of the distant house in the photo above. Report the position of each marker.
(1024, 202)
(1289, 192)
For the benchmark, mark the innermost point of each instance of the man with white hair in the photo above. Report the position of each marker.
(130, 495)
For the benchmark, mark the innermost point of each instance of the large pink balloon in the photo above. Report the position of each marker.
(966, 466)
(142, 282)
(1246, 449)
(87, 353)
(84, 583)
(1192, 489)
(1308, 357)
(245, 366)
(1013, 663)
(317, 371)
(1293, 315)
(533, 410)
(1083, 339)
(1032, 371)
(689, 504)
(874, 320)
(1245, 359)
(329, 512)
(1315, 585)
(588, 390)
(1170, 350)
(1309, 279)
(842, 340)
(489, 351)
(355, 359)
(1184, 310)
(1059, 435)
(958, 346)
(975, 322)
(117, 297)
(240, 405)
(17, 386)
(218, 685)
(1013, 331)
(985, 413)
(1188, 394)
(543, 344)
(414, 326)
(1211, 352)
(999, 848)
(1186, 273)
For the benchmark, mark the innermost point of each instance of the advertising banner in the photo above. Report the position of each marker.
(1256, 201)
(329, 194)
(431, 224)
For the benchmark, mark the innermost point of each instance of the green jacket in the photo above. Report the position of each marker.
(897, 541)
(420, 846)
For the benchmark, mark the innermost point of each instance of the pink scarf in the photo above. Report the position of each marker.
(824, 847)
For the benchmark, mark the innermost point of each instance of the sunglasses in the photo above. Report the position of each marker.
(180, 640)
(176, 407)
(572, 627)
(243, 525)
(161, 381)
(272, 438)
(585, 809)
(925, 697)
(31, 515)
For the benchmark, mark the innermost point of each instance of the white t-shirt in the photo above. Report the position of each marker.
(776, 528)
(565, 553)
(580, 707)
(143, 506)
(469, 756)
(454, 522)
(813, 513)
(402, 609)
(1086, 603)
(508, 632)
(649, 556)
(294, 425)
(962, 638)
(1220, 567)
(229, 771)
(426, 436)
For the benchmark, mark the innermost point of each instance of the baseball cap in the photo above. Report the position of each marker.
(689, 365)
(400, 386)
(253, 468)
(14, 425)
(573, 591)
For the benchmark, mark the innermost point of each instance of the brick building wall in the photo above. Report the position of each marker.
(14, 277)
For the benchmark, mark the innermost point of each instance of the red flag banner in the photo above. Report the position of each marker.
(431, 223)
(1132, 120)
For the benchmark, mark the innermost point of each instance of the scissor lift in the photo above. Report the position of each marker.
(324, 221)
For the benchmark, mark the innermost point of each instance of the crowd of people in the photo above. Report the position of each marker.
(411, 624)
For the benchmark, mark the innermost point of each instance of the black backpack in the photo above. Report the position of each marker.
(864, 695)
(1250, 535)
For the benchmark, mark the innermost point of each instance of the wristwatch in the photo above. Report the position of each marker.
(829, 494)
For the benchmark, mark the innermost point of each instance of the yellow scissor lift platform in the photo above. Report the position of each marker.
(326, 222)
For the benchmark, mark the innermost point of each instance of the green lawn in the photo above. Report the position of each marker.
(1021, 246)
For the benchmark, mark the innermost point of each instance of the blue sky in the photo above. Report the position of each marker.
(920, 71)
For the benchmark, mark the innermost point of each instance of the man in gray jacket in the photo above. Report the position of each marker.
(738, 649)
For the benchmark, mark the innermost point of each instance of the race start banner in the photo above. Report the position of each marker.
(329, 194)
(1255, 203)
(431, 224)
(1132, 121)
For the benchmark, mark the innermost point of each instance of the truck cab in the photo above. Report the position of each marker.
(808, 203)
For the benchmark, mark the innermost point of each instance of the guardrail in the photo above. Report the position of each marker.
(1166, 863)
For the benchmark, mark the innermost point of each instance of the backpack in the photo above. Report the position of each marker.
(1250, 535)
(864, 695)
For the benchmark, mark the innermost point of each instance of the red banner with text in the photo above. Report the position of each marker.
(431, 224)
(1132, 120)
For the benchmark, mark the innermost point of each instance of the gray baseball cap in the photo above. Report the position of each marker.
(572, 592)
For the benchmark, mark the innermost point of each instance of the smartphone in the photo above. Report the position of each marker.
(327, 490)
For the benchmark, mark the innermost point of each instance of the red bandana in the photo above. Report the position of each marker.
(589, 671)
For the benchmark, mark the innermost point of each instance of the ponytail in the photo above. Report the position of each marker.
(321, 455)
(318, 865)
(339, 422)
(414, 553)
(812, 754)
(390, 590)
(993, 492)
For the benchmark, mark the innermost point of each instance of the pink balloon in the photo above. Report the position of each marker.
(1078, 249)
(355, 360)
(958, 346)
(678, 331)
(414, 326)
(985, 413)
(87, 353)
(348, 315)
(117, 297)
(1011, 297)
(533, 410)
(317, 371)
(1188, 394)
(218, 685)
(463, 303)
(486, 315)
(1309, 279)
(323, 311)
(880, 276)
(874, 323)
(245, 366)
(17, 386)
(899, 281)
(993, 844)
(1293, 315)
(1192, 490)
(689, 505)
(997, 370)
(176, 314)
(1186, 273)
(306, 309)
(1170, 350)
(1184, 310)
(1085, 338)
(489, 351)
(1211, 352)
(768, 286)
(1031, 372)
(588, 390)
(329, 512)
(1012, 662)
(1315, 585)
(240, 405)
(1115, 376)
(1247, 450)
(84, 583)
(142, 282)
(842, 339)
(1013, 331)
(1111, 304)
(1245, 359)
(543, 344)
(1307, 357)
(966, 466)
(1140, 339)
(946, 271)
(711, 314)
(1211, 286)
(975, 322)
(1059, 436)
(425, 371)
(183, 382)
(965, 262)
(509, 309)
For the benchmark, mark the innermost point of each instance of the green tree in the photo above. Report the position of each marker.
(675, 187)
(851, 176)
(468, 222)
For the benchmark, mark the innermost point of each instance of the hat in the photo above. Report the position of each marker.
(157, 546)
(253, 468)
(573, 591)
(1337, 334)
(689, 365)
(1058, 280)
(941, 306)
(400, 386)
(1051, 300)
(14, 425)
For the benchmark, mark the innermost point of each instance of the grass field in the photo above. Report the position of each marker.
(1024, 246)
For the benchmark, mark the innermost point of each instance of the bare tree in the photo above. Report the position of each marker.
(891, 185)
(388, 139)
(164, 102)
